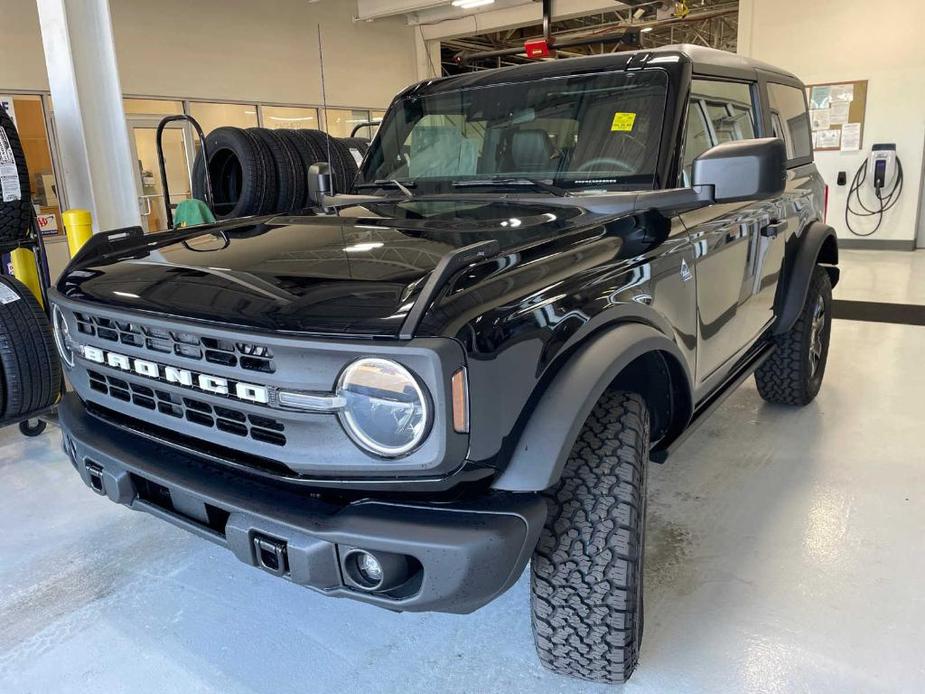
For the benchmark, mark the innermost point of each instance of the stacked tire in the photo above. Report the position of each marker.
(258, 171)
(15, 194)
(29, 366)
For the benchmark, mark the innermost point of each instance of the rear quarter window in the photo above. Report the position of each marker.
(790, 120)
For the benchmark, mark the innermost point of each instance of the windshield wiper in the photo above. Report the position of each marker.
(405, 188)
(511, 181)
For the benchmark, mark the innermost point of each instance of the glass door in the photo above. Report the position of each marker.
(143, 132)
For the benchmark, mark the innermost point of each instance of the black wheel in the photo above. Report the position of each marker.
(586, 582)
(240, 179)
(30, 367)
(793, 374)
(15, 194)
(32, 427)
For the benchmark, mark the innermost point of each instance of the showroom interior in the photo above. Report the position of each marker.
(209, 206)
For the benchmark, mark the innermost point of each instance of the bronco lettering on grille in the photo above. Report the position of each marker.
(181, 377)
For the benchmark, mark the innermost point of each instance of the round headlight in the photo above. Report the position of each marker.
(386, 410)
(62, 335)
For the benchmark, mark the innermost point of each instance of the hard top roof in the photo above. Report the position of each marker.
(704, 61)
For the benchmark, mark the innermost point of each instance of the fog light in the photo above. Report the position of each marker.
(374, 571)
(369, 567)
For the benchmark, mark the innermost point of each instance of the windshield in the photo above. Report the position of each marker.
(599, 130)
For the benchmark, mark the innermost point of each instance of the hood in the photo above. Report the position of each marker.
(357, 272)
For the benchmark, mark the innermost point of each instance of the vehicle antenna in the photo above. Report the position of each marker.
(324, 95)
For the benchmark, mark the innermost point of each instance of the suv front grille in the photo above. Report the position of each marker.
(226, 419)
(244, 355)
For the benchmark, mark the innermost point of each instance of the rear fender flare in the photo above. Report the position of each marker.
(555, 422)
(818, 245)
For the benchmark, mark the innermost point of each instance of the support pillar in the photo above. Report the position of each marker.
(93, 141)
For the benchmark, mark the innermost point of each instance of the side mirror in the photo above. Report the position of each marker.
(319, 183)
(743, 170)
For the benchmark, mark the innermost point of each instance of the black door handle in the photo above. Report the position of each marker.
(773, 229)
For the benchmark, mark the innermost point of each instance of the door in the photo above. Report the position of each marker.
(727, 238)
(177, 148)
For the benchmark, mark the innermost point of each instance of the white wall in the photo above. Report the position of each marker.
(835, 40)
(264, 50)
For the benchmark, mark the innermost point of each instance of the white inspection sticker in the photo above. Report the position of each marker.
(7, 295)
(9, 176)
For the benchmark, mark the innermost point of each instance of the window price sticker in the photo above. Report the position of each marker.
(623, 122)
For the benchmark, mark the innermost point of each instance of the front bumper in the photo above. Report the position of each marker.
(454, 557)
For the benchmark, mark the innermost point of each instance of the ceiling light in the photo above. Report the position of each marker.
(645, 30)
(469, 4)
(638, 13)
(364, 247)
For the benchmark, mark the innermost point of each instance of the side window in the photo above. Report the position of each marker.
(718, 112)
(696, 139)
(790, 120)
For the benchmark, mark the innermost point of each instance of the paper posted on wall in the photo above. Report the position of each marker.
(851, 137)
(841, 93)
(820, 118)
(839, 112)
(820, 97)
(826, 139)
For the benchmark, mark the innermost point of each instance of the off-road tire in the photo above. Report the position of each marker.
(31, 372)
(787, 377)
(15, 215)
(586, 573)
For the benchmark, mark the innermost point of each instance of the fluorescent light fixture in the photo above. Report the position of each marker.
(469, 4)
(638, 13)
(284, 118)
(645, 30)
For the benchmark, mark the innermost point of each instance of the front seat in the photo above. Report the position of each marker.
(530, 150)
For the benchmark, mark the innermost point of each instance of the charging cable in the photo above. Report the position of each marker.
(885, 202)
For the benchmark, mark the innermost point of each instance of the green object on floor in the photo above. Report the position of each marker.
(192, 212)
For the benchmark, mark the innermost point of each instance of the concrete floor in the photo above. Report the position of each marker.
(884, 276)
(785, 554)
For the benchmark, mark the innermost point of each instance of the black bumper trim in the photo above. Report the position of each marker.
(467, 553)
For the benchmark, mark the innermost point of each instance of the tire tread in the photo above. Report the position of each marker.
(587, 566)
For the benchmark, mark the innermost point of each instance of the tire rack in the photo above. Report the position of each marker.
(35, 423)
(163, 166)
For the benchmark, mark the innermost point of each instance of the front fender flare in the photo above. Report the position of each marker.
(550, 433)
(814, 246)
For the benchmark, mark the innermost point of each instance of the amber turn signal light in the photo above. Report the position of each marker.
(460, 388)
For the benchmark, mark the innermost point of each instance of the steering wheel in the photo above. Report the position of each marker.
(606, 165)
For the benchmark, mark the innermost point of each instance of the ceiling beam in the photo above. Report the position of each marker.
(506, 18)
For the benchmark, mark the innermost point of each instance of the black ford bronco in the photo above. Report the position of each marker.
(542, 279)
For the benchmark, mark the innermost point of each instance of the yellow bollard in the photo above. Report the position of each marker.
(78, 225)
(27, 272)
